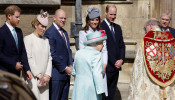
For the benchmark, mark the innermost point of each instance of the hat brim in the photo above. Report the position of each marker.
(95, 40)
(43, 21)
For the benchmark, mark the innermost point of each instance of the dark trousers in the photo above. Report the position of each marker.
(59, 90)
(104, 97)
(112, 79)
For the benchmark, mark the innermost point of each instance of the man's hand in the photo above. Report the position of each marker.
(29, 75)
(118, 63)
(18, 66)
(104, 69)
(68, 70)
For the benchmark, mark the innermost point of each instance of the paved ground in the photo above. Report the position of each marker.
(121, 93)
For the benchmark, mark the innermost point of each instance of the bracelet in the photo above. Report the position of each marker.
(47, 76)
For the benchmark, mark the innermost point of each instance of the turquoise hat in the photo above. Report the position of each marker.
(95, 37)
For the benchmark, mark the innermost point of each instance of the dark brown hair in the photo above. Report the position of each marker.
(11, 10)
(86, 28)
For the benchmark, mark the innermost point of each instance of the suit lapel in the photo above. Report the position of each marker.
(67, 38)
(58, 35)
(116, 32)
(109, 33)
(9, 34)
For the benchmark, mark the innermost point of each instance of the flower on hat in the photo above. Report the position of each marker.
(43, 17)
(93, 13)
(44, 14)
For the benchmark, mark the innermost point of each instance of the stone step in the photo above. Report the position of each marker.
(121, 93)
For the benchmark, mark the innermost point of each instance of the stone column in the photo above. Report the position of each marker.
(157, 7)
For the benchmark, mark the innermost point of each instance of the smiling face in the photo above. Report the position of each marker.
(14, 19)
(165, 21)
(94, 23)
(111, 14)
(60, 18)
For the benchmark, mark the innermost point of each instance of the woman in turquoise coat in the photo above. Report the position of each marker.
(87, 69)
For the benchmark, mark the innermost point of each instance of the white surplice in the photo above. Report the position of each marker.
(142, 87)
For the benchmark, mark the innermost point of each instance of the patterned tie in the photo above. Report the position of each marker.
(62, 34)
(15, 37)
(112, 31)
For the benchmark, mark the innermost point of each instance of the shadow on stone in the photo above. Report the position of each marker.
(117, 95)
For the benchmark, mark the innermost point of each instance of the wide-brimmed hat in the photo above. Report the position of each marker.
(93, 13)
(43, 18)
(95, 37)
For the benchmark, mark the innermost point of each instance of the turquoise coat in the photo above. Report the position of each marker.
(87, 70)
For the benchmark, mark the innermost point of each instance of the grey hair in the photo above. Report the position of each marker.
(152, 22)
(166, 13)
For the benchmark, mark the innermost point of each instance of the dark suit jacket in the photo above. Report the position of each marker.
(9, 53)
(116, 48)
(172, 31)
(61, 54)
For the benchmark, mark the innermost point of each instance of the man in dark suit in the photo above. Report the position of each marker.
(165, 19)
(115, 47)
(13, 57)
(62, 57)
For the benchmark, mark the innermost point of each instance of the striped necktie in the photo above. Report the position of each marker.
(62, 34)
(112, 31)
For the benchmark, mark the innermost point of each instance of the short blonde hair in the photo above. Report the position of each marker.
(35, 22)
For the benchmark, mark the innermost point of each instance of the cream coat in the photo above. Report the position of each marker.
(87, 70)
(40, 62)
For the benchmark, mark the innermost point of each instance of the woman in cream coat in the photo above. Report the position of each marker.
(39, 57)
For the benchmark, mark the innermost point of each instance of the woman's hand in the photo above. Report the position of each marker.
(46, 78)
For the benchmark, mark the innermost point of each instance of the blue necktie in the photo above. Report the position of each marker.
(112, 31)
(15, 37)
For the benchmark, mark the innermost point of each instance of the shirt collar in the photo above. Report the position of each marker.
(9, 26)
(107, 22)
(56, 26)
(166, 29)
